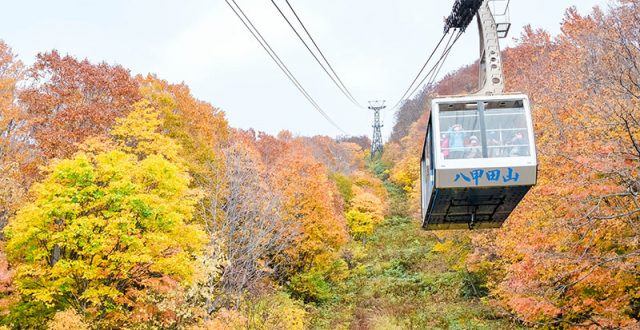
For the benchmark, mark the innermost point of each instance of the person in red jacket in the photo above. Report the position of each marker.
(444, 145)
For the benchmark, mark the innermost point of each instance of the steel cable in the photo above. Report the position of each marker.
(337, 81)
(274, 56)
(420, 72)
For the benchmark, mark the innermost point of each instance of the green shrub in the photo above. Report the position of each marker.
(28, 315)
(345, 187)
(474, 285)
(378, 169)
(310, 286)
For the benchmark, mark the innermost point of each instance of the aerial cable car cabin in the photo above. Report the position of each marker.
(478, 161)
(479, 156)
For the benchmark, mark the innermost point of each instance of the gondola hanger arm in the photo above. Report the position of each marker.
(491, 78)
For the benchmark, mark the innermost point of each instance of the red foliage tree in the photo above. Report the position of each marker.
(69, 100)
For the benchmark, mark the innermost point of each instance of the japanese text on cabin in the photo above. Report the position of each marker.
(476, 175)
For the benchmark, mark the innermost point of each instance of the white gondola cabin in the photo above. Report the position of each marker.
(478, 161)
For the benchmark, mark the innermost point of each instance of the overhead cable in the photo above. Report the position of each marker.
(322, 54)
(335, 78)
(436, 67)
(274, 56)
(433, 78)
(420, 72)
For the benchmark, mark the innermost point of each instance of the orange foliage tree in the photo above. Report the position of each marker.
(311, 200)
(337, 156)
(14, 148)
(15, 154)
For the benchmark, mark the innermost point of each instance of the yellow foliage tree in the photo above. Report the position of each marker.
(201, 129)
(360, 224)
(277, 311)
(367, 211)
(115, 218)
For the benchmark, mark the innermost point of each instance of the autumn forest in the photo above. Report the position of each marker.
(127, 203)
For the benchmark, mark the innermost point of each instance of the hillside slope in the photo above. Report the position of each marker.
(408, 278)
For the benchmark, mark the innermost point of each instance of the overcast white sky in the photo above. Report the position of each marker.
(375, 46)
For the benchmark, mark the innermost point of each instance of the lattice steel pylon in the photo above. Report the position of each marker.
(376, 141)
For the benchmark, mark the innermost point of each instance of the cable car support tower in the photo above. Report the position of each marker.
(376, 141)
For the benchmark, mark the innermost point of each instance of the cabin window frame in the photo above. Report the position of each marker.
(505, 146)
(479, 106)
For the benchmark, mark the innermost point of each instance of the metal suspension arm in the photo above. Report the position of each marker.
(491, 79)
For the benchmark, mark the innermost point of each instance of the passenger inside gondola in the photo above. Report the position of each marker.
(456, 142)
(519, 146)
(473, 149)
(444, 145)
(495, 144)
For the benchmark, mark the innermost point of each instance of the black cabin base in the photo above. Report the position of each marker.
(472, 208)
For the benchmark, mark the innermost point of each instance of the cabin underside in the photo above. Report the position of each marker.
(472, 208)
